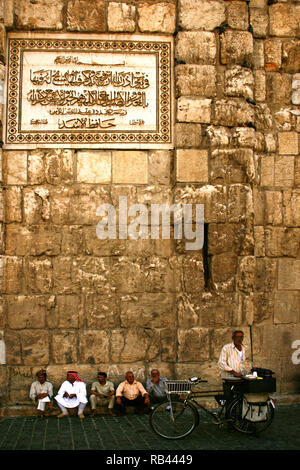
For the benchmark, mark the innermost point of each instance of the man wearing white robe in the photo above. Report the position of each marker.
(72, 394)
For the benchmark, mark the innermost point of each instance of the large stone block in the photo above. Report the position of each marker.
(35, 347)
(240, 203)
(223, 271)
(121, 17)
(27, 311)
(232, 166)
(93, 346)
(291, 56)
(135, 344)
(288, 274)
(36, 204)
(40, 14)
(13, 204)
(236, 48)
(284, 19)
(64, 347)
(93, 167)
(100, 311)
(288, 143)
(15, 167)
(284, 172)
(38, 275)
(198, 80)
(282, 241)
(278, 88)
(259, 21)
(193, 345)
(287, 307)
(199, 14)
(159, 18)
(291, 208)
(238, 16)
(188, 135)
(159, 168)
(192, 165)
(267, 170)
(130, 167)
(233, 113)
(239, 82)
(196, 47)
(86, 15)
(148, 310)
(273, 208)
(65, 312)
(193, 110)
(214, 199)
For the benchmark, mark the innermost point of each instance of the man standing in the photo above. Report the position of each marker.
(233, 356)
(131, 393)
(232, 364)
(71, 394)
(102, 393)
(155, 386)
(41, 392)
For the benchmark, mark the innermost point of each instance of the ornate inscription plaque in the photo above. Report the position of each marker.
(91, 91)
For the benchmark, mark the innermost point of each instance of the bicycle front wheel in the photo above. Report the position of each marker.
(174, 420)
(242, 424)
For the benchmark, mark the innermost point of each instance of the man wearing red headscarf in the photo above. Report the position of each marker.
(71, 394)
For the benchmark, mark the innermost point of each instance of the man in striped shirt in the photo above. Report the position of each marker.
(232, 364)
(233, 356)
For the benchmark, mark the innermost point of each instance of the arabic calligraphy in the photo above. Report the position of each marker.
(88, 78)
(85, 123)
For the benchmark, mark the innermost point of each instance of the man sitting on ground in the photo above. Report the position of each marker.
(72, 394)
(155, 386)
(41, 392)
(131, 393)
(102, 393)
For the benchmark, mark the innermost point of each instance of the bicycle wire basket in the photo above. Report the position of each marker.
(178, 386)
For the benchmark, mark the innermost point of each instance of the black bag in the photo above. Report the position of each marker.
(264, 373)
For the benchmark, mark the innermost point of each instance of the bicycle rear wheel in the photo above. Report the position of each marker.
(243, 425)
(174, 420)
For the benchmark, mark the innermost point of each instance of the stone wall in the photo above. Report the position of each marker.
(70, 300)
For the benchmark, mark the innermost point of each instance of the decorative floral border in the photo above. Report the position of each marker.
(17, 45)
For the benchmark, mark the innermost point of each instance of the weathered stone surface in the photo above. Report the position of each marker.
(121, 17)
(267, 170)
(194, 110)
(93, 347)
(223, 269)
(199, 80)
(273, 207)
(288, 274)
(193, 344)
(288, 143)
(260, 85)
(39, 14)
(238, 17)
(135, 344)
(282, 241)
(233, 113)
(291, 56)
(287, 307)
(129, 167)
(13, 207)
(196, 47)
(198, 14)
(213, 197)
(236, 48)
(15, 166)
(273, 54)
(192, 165)
(86, 15)
(232, 166)
(239, 82)
(64, 347)
(284, 19)
(159, 17)
(259, 22)
(159, 167)
(291, 208)
(278, 88)
(94, 167)
(284, 172)
(153, 310)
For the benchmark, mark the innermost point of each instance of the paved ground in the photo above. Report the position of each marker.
(133, 433)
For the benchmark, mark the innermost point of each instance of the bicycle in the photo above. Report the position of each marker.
(178, 417)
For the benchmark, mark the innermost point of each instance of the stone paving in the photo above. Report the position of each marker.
(133, 433)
